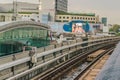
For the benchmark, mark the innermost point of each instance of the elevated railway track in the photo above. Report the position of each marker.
(86, 73)
(50, 63)
(58, 71)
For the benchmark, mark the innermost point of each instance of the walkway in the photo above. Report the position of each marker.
(111, 70)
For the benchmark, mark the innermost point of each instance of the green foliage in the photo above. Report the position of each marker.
(118, 34)
(28, 12)
(111, 29)
(115, 28)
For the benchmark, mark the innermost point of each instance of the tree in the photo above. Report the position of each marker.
(115, 28)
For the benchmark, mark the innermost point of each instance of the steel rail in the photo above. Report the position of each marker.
(62, 67)
(26, 59)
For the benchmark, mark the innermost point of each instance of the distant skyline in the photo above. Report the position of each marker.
(103, 8)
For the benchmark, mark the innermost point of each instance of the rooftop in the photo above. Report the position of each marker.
(21, 7)
(79, 14)
(4, 26)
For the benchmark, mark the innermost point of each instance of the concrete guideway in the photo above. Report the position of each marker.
(93, 71)
(41, 54)
(52, 59)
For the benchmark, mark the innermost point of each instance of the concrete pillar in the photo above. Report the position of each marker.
(64, 58)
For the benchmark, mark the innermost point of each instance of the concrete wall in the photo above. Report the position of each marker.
(6, 59)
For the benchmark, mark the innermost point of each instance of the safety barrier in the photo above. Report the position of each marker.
(60, 52)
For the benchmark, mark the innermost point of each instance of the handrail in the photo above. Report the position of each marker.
(26, 59)
(58, 49)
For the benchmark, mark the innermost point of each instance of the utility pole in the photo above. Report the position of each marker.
(15, 12)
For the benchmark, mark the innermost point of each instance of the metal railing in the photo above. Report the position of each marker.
(27, 59)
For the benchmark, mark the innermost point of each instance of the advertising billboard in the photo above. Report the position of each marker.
(77, 28)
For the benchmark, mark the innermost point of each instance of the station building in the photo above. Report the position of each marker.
(15, 35)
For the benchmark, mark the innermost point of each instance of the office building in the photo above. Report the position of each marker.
(49, 8)
(104, 21)
(21, 10)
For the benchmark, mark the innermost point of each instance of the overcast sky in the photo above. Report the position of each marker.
(107, 8)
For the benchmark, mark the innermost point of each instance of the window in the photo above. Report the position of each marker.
(65, 20)
(63, 17)
(60, 17)
(67, 17)
(58, 20)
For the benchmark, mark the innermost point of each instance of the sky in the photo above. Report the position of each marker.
(103, 8)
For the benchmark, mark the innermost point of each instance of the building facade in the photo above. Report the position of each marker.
(51, 7)
(4, 17)
(56, 11)
(71, 17)
(61, 5)
(21, 11)
(17, 34)
(104, 21)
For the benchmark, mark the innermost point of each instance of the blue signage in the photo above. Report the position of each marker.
(69, 26)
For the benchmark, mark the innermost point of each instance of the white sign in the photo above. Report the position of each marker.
(105, 29)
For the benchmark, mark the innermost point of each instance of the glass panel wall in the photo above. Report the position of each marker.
(13, 40)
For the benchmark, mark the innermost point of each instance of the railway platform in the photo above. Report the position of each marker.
(111, 69)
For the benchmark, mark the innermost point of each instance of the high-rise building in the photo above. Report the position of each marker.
(61, 5)
(49, 8)
(104, 21)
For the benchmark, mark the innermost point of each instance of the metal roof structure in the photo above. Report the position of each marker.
(16, 24)
(16, 34)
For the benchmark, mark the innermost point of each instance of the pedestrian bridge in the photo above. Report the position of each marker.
(15, 35)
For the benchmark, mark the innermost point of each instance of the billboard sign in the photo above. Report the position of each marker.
(78, 28)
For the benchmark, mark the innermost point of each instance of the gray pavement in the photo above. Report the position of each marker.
(111, 69)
